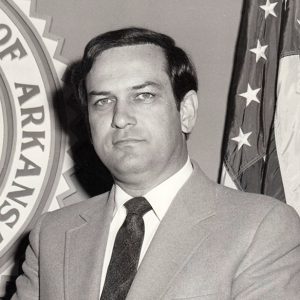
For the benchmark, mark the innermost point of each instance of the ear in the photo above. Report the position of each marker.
(188, 111)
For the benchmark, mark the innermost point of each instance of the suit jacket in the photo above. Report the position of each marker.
(213, 243)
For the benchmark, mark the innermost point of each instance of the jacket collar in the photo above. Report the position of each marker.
(180, 233)
(85, 248)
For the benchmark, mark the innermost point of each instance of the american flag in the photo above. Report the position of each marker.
(269, 33)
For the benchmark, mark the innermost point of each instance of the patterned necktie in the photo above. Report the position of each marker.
(126, 252)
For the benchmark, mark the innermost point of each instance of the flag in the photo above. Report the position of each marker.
(287, 114)
(263, 98)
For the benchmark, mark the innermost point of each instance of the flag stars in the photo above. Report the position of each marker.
(269, 8)
(259, 51)
(250, 95)
(242, 139)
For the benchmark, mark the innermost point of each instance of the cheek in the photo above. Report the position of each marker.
(101, 141)
(169, 123)
(99, 133)
(97, 124)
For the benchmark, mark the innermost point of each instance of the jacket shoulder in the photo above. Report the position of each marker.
(253, 208)
(66, 216)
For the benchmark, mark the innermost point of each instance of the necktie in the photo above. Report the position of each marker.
(126, 251)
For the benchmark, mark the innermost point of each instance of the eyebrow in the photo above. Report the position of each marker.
(147, 83)
(102, 93)
(135, 87)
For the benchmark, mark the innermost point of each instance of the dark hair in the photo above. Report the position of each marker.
(179, 67)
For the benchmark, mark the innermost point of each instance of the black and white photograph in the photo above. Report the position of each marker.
(149, 150)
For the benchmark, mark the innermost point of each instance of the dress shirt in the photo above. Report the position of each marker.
(160, 199)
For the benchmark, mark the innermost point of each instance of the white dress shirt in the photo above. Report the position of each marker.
(160, 199)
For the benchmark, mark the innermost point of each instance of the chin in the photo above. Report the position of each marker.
(126, 168)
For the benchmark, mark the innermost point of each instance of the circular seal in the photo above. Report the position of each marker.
(31, 142)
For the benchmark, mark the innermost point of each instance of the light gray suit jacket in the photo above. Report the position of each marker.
(213, 243)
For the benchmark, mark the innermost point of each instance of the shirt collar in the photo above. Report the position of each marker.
(161, 196)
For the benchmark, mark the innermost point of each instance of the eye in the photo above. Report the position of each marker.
(145, 97)
(104, 102)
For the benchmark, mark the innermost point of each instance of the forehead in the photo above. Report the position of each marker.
(134, 61)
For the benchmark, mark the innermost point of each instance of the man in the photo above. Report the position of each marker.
(194, 239)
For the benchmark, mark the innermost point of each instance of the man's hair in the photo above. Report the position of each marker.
(179, 67)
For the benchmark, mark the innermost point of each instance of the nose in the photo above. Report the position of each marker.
(123, 115)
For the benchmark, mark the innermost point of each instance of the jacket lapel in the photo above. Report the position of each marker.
(84, 251)
(180, 233)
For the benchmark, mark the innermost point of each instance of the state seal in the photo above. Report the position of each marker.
(32, 145)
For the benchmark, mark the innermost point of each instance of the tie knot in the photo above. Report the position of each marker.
(138, 206)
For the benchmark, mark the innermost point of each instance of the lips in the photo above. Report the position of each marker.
(127, 141)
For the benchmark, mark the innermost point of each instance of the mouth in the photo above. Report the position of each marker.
(127, 142)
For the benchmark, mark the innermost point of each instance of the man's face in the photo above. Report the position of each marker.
(134, 122)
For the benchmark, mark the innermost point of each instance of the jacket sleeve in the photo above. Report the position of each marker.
(28, 282)
(271, 267)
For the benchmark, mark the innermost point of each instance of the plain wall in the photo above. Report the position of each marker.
(207, 30)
